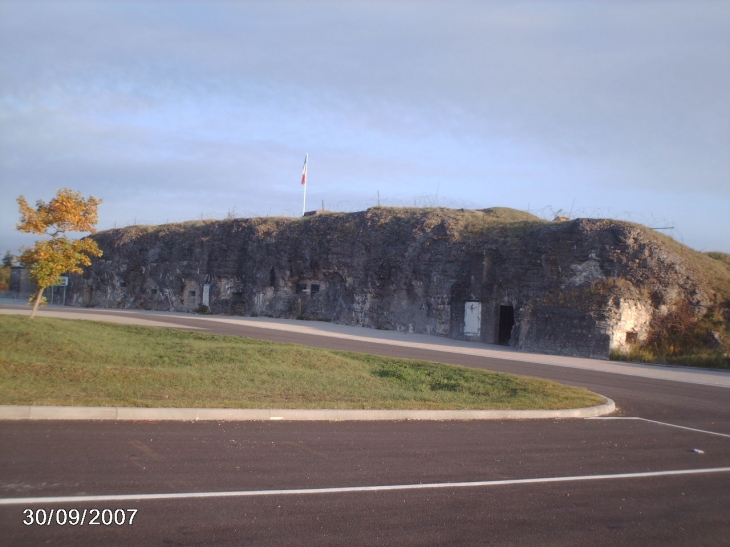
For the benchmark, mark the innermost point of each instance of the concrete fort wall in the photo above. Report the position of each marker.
(495, 276)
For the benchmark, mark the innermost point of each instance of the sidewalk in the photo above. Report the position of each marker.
(719, 378)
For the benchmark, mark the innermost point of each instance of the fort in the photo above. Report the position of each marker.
(578, 287)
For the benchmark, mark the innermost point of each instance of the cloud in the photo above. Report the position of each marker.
(495, 100)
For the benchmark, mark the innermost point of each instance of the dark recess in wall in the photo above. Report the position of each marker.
(506, 322)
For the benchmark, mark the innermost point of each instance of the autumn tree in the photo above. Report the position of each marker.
(5, 271)
(8, 259)
(48, 259)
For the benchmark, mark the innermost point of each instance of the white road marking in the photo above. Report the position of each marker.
(660, 423)
(349, 489)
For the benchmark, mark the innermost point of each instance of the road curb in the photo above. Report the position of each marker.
(32, 412)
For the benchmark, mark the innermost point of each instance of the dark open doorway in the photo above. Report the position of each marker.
(506, 322)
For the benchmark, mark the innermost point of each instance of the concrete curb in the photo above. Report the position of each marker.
(10, 412)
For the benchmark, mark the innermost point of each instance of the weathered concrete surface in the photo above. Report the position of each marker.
(581, 288)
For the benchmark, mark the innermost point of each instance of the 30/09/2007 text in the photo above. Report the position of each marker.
(77, 517)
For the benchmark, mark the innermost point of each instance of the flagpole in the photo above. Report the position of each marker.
(304, 204)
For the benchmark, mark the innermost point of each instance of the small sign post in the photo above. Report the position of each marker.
(62, 282)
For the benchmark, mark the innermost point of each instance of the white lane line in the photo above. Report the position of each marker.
(660, 423)
(349, 489)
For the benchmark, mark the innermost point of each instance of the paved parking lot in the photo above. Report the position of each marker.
(520, 482)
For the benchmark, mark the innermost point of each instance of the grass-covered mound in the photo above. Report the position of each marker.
(65, 362)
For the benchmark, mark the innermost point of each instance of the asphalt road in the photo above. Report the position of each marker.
(636, 502)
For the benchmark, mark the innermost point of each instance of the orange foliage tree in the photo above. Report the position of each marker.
(47, 260)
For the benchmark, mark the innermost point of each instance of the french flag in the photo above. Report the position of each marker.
(304, 170)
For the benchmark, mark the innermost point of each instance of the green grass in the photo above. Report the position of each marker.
(66, 362)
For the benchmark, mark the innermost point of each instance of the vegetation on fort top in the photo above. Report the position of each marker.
(66, 362)
(712, 268)
(722, 257)
(461, 223)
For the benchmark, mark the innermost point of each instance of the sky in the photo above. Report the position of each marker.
(178, 110)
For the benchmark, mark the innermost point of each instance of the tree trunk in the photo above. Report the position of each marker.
(37, 303)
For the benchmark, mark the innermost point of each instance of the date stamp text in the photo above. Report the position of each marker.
(79, 517)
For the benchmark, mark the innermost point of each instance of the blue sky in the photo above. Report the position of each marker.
(170, 111)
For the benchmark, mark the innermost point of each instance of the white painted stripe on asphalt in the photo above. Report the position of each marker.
(350, 489)
(660, 423)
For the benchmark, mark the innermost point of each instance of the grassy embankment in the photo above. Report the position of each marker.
(680, 337)
(64, 362)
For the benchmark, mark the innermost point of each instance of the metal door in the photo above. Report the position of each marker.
(472, 318)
